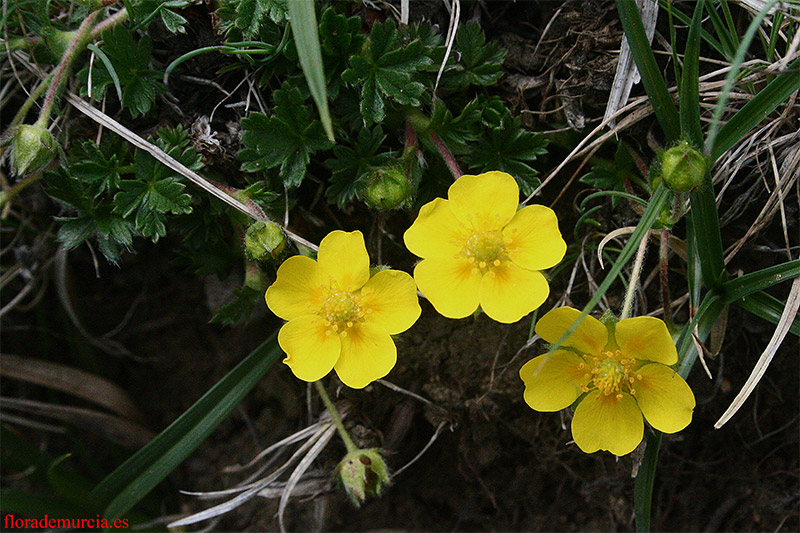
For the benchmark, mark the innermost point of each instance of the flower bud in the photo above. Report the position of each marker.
(682, 167)
(264, 240)
(363, 473)
(386, 188)
(32, 147)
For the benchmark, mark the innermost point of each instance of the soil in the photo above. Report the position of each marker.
(494, 465)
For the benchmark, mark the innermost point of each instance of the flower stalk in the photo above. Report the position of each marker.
(634, 280)
(337, 420)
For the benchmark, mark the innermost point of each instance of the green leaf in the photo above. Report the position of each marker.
(385, 68)
(286, 139)
(479, 63)
(767, 307)
(757, 109)
(746, 285)
(306, 39)
(174, 22)
(98, 169)
(457, 132)
(339, 36)
(240, 308)
(689, 91)
(251, 14)
(75, 230)
(67, 190)
(653, 81)
(131, 61)
(350, 163)
(509, 148)
(136, 477)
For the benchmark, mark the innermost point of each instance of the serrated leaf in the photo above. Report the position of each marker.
(99, 172)
(457, 132)
(339, 35)
(385, 68)
(350, 163)
(67, 190)
(478, 63)
(251, 14)
(131, 60)
(174, 22)
(75, 230)
(509, 149)
(286, 139)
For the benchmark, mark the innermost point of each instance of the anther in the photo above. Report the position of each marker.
(619, 396)
(496, 262)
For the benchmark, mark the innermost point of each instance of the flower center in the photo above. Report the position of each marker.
(341, 311)
(610, 373)
(485, 250)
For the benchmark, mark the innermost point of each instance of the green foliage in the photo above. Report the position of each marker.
(144, 11)
(286, 139)
(386, 69)
(240, 308)
(131, 61)
(479, 63)
(349, 164)
(509, 148)
(250, 15)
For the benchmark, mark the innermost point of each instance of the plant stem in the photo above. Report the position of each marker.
(634, 281)
(663, 263)
(447, 155)
(337, 420)
(76, 45)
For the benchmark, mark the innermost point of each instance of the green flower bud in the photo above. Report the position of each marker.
(683, 167)
(386, 188)
(264, 240)
(32, 147)
(363, 473)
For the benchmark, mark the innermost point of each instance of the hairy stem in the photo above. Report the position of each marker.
(337, 420)
(663, 253)
(634, 281)
(447, 155)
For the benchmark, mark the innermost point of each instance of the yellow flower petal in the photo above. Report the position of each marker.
(590, 337)
(486, 202)
(553, 383)
(368, 353)
(311, 352)
(436, 232)
(664, 397)
(298, 288)
(533, 240)
(646, 338)
(510, 292)
(605, 423)
(390, 301)
(343, 257)
(450, 284)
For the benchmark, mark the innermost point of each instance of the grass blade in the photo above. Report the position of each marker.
(767, 307)
(109, 67)
(306, 38)
(133, 479)
(690, 92)
(653, 81)
(708, 237)
(757, 109)
(736, 64)
(643, 486)
(746, 285)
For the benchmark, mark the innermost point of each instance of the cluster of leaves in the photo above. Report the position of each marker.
(378, 81)
(397, 98)
(116, 195)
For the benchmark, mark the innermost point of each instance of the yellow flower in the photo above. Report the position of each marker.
(621, 371)
(478, 249)
(338, 316)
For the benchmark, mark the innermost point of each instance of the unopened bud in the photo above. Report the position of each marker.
(386, 188)
(32, 147)
(682, 167)
(264, 240)
(363, 473)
